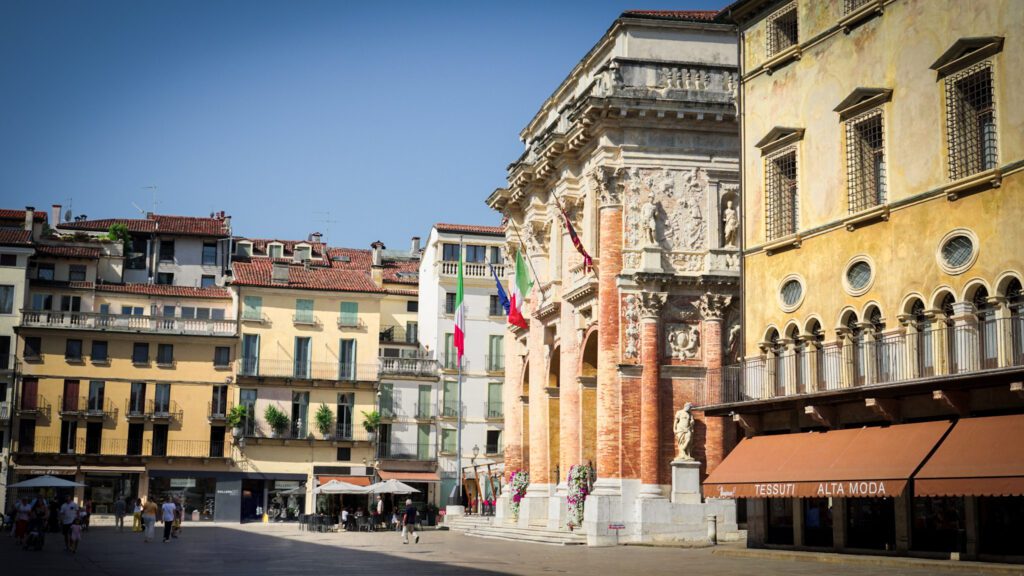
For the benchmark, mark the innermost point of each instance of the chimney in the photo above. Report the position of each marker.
(55, 215)
(227, 222)
(414, 249)
(30, 216)
(378, 253)
(316, 237)
(279, 273)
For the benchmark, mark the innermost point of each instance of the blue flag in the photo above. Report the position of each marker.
(502, 297)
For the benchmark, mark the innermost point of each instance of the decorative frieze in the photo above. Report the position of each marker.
(712, 306)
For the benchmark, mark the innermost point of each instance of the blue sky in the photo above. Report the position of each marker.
(389, 116)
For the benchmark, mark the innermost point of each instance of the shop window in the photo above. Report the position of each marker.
(1001, 529)
(780, 521)
(817, 522)
(871, 523)
(938, 525)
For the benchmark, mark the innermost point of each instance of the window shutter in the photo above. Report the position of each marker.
(349, 313)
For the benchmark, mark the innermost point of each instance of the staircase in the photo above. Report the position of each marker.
(485, 527)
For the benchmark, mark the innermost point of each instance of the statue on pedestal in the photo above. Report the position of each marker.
(731, 224)
(649, 220)
(683, 428)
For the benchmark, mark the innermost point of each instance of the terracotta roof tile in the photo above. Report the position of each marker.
(401, 292)
(258, 273)
(77, 284)
(690, 15)
(470, 229)
(60, 251)
(260, 249)
(357, 258)
(12, 237)
(8, 214)
(183, 225)
(213, 293)
(402, 272)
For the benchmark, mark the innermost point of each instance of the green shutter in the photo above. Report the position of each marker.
(423, 408)
(449, 351)
(448, 440)
(349, 313)
(423, 442)
(303, 310)
(386, 396)
(252, 308)
(494, 400)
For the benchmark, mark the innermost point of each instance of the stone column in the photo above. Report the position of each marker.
(965, 338)
(539, 472)
(650, 438)
(570, 397)
(511, 392)
(712, 309)
(1003, 330)
(608, 385)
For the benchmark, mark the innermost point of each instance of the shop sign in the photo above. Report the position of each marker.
(228, 492)
(837, 489)
(286, 484)
(183, 482)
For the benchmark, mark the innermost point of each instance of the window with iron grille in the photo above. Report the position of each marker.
(782, 30)
(865, 161)
(852, 5)
(971, 121)
(780, 170)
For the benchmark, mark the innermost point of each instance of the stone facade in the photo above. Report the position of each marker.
(638, 149)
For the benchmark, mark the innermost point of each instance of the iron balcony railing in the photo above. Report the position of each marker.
(123, 447)
(451, 362)
(495, 362)
(32, 405)
(495, 410)
(253, 428)
(127, 323)
(134, 409)
(471, 269)
(412, 367)
(387, 411)
(288, 368)
(870, 360)
(5, 411)
(86, 407)
(344, 431)
(424, 411)
(217, 411)
(398, 335)
(406, 451)
(185, 448)
(166, 410)
(450, 409)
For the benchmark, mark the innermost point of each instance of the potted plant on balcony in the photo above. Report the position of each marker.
(276, 419)
(371, 421)
(324, 419)
(236, 416)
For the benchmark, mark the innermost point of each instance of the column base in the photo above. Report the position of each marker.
(650, 491)
(651, 259)
(608, 487)
(533, 508)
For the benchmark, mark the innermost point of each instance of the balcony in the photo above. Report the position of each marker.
(423, 411)
(451, 363)
(387, 411)
(134, 410)
(406, 451)
(305, 319)
(217, 412)
(163, 411)
(5, 411)
(33, 406)
(123, 447)
(127, 323)
(398, 335)
(289, 369)
(495, 410)
(186, 448)
(471, 269)
(495, 363)
(86, 407)
(989, 347)
(450, 409)
(410, 367)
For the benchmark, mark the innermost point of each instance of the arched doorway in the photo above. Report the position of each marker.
(553, 389)
(588, 399)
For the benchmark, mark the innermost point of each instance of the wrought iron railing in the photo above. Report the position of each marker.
(168, 410)
(406, 451)
(394, 334)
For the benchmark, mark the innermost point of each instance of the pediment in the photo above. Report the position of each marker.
(778, 137)
(967, 51)
(862, 99)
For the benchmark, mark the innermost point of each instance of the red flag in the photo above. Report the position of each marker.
(588, 262)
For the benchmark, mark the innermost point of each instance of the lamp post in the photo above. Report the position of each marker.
(476, 477)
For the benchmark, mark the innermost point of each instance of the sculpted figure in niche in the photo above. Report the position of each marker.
(683, 428)
(649, 217)
(730, 224)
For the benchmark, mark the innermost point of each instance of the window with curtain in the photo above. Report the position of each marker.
(347, 359)
(349, 314)
(6, 299)
(304, 311)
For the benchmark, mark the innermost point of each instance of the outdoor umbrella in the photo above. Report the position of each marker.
(45, 482)
(339, 487)
(298, 491)
(390, 487)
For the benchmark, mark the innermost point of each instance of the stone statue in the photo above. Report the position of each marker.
(734, 341)
(683, 428)
(730, 224)
(649, 218)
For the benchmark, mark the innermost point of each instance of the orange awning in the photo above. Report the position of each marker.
(979, 457)
(861, 462)
(409, 476)
(357, 480)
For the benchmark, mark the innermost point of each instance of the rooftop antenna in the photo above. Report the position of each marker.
(327, 221)
(153, 188)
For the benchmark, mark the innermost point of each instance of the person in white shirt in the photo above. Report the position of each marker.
(68, 514)
(344, 518)
(167, 511)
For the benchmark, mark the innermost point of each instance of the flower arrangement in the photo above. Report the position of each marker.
(520, 480)
(579, 486)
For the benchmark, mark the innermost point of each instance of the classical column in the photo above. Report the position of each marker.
(650, 438)
(538, 407)
(570, 408)
(712, 309)
(608, 385)
(511, 392)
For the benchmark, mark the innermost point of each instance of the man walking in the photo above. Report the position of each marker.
(119, 509)
(409, 523)
(68, 515)
(168, 510)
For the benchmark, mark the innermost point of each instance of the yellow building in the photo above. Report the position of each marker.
(881, 227)
(312, 319)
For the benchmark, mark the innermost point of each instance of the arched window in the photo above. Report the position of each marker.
(988, 344)
(816, 353)
(924, 355)
(1015, 302)
(799, 358)
(776, 364)
(856, 348)
(884, 354)
(946, 305)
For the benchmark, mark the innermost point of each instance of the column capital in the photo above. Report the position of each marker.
(604, 180)
(712, 306)
(651, 304)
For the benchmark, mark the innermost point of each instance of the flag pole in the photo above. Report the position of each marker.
(458, 407)
(529, 260)
(566, 216)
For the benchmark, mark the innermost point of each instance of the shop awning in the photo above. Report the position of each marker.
(861, 462)
(357, 480)
(409, 476)
(979, 457)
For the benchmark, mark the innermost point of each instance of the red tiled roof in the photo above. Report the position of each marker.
(470, 229)
(77, 284)
(691, 15)
(12, 237)
(183, 225)
(401, 292)
(212, 293)
(259, 246)
(392, 269)
(67, 251)
(258, 273)
(8, 214)
(358, 258)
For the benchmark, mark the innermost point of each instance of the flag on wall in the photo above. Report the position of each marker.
(588, 262)
(460, 318)
(502, 297)
(520, 290)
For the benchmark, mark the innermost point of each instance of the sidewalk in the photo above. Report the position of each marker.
(867, 560)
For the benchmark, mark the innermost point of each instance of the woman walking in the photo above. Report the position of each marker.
(137, 516)
(149, 518)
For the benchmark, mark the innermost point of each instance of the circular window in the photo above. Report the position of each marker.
(957, 251)
(859, 275)
(791, 293)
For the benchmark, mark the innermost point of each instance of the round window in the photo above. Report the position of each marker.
(858, 275)
(957, 251)
(792, 291)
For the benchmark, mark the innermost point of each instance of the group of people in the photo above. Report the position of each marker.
(34, 517)
(406, 520)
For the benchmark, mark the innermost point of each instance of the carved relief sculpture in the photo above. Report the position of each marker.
(632, 335)
(682, 341)
(683, 428)
(712, 306)
(649, 217)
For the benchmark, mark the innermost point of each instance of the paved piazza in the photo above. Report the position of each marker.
(282, 550)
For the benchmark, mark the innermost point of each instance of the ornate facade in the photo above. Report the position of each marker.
(638, 149)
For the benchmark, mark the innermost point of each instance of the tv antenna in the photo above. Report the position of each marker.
(153, 188)
(327, 221)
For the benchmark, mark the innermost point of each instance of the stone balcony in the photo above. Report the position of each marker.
(471, 269)
(128, 323)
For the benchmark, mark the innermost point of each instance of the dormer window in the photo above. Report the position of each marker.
(244, 249)
(275, 250)
(302, 252)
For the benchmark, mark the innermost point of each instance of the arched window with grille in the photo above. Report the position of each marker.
(951, 345)
(856, 349)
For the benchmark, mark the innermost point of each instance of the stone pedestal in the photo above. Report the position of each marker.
(533, 508)
(454, 511)
(558, 508)
(686, 482)
(650, 259)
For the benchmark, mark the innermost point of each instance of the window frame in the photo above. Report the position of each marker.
(98, 359)
(220, 352)
(164, 354)
(866, 186)
(78, 273)
(7, 299)
(49, 267)
(68, 345)
(775, 191)
(959, 158)
(165, 254)
(136, 357)
(207, 259)
(773, 31)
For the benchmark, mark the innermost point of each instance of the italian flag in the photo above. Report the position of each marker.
(520, 290)
(460, 319)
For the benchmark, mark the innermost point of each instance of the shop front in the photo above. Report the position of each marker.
(935, 489)
(104, 486)
(221, 496)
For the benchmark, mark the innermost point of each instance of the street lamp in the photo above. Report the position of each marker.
(476, 451)
(476, 477)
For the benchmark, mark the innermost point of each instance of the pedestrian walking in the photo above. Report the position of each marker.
(69, 512)
(119, 510)
(149, 512)
(167, 514)
(137, 516)
(379, 517)
(22, 515)
(409, 524)
(76, 536)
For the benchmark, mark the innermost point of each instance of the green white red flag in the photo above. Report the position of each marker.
(520, 290)
(460, 318)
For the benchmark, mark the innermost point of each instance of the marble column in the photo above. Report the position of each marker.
(608, 385)
(650, 437)
(538, 407)
(570, 396)
(511, 392)
(712, 309)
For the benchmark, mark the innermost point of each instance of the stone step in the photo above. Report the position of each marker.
(535, 535)
(467, 523)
